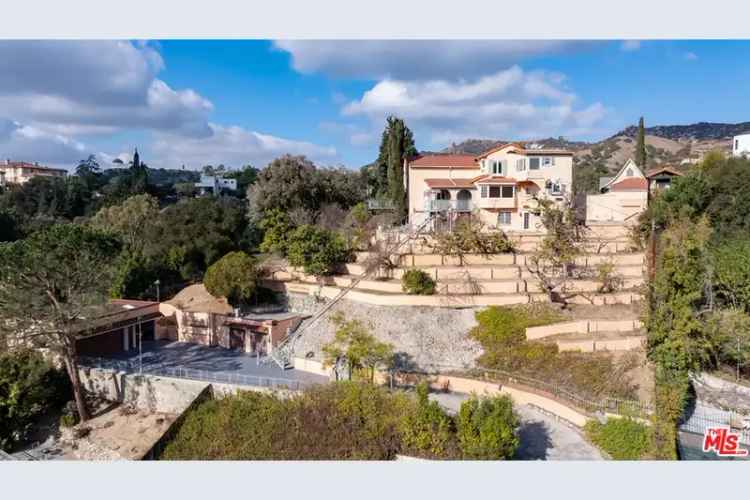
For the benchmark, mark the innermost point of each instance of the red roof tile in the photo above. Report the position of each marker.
(633, 184)
(665, 169)
(444, 161)
(494, 179)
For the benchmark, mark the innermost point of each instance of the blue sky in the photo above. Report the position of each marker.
(237, 102)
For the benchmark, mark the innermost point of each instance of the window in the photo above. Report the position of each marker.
(548, 161)
(507, 192)
(533, 163)
(629, 172)
(486, 191)
(521, 164)
(494, 191)
(483, 190)
(497, 167)
(503, 219)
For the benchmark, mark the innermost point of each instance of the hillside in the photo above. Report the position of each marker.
(666, 144)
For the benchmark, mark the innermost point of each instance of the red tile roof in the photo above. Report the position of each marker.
(448, 183)
(444, 161)
(632, 184)
(516, 145)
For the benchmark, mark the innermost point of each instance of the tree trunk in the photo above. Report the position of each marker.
(71, 365)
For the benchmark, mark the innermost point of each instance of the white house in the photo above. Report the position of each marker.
(741, 145)
(622, 197)
(497, 186)
(215, 184)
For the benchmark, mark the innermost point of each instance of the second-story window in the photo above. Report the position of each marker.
(496, 191)
(533, 163)
(521, 164)
(548, 161)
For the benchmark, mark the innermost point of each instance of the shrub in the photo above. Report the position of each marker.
(234, 276)
(316, 250)
(487, 428)
(29, 387)
(417, 282)
(622, 438)
(609, 279)
(339, 421)
(276, 228)
(428, 431)
(355, 345)
(469, 236)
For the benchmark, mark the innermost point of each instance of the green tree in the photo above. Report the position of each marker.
(428, 432)
(245, 177)
(29, 387)
(234, 276)
(488, 428)
(90, 172)
(131, 220)
(355, 346)
(640, 148)
(397, 144)
(731, 266)
(318, 251)
(276, 228)
(52, 282)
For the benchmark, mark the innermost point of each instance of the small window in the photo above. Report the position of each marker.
(533, 163)
(507, 192)
(494, 191)
(483, 190)
(497, 167)
(521, 164)
(548, 161)
(503, 219)
(629, 172)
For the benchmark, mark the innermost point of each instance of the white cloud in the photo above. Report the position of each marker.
(630, 45)
(510, 104)
(416, 59)
(28, 143)
(690, 56)
(86, 87)
(233, 146)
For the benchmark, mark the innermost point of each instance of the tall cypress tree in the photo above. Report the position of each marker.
(640, 148)
(396, 144)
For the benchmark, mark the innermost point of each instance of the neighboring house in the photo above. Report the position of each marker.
(622, 197)
(201, 318)
(497, 186)
(741, 145)
(660, 178)
(20, 172)
(216, 184)
(120, 327)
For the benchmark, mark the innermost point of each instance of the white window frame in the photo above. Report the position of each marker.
(503, 218)
(538, 163)
(484, 191)
(547, 161)
(520, 164)
(512, 191)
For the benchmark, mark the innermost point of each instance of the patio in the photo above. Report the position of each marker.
(210, 363)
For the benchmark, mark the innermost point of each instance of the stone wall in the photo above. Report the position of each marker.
(421, 335)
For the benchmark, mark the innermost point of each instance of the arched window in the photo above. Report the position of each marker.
(629, 172)
(464, 194)
(444, 194)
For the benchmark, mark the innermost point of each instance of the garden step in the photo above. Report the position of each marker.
(584, 326)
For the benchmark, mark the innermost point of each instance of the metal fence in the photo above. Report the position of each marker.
(699, 421)
(194, 374)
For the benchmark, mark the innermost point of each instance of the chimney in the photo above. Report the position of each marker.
(7, 161)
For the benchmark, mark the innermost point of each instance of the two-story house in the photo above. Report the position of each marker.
(20, 172)
(496, 186)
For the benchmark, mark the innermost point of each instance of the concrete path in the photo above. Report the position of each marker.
(542, 437)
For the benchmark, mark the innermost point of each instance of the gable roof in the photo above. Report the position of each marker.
(494, 179)
(515, 145)
(637, 174)
(443, 161)
(666, 169)
(630, 184)
(449, 183)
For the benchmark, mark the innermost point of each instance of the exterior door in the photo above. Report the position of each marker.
(236, 339)
(526, 217)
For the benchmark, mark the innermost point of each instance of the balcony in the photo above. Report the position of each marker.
(446, 205)
(375, 204)
(490, 203)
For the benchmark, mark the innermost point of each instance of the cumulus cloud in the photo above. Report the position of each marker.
(24, 142)
(85, 87)
(508, 104)
(233, 146)
(416, 59)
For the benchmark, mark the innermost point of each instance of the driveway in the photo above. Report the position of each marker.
(542, 437)
(213, 360)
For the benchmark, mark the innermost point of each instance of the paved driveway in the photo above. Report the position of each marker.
(542, 437)
(212, 360)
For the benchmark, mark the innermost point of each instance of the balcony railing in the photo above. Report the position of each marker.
(497, 202)
(373, 204)
(446, 205)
